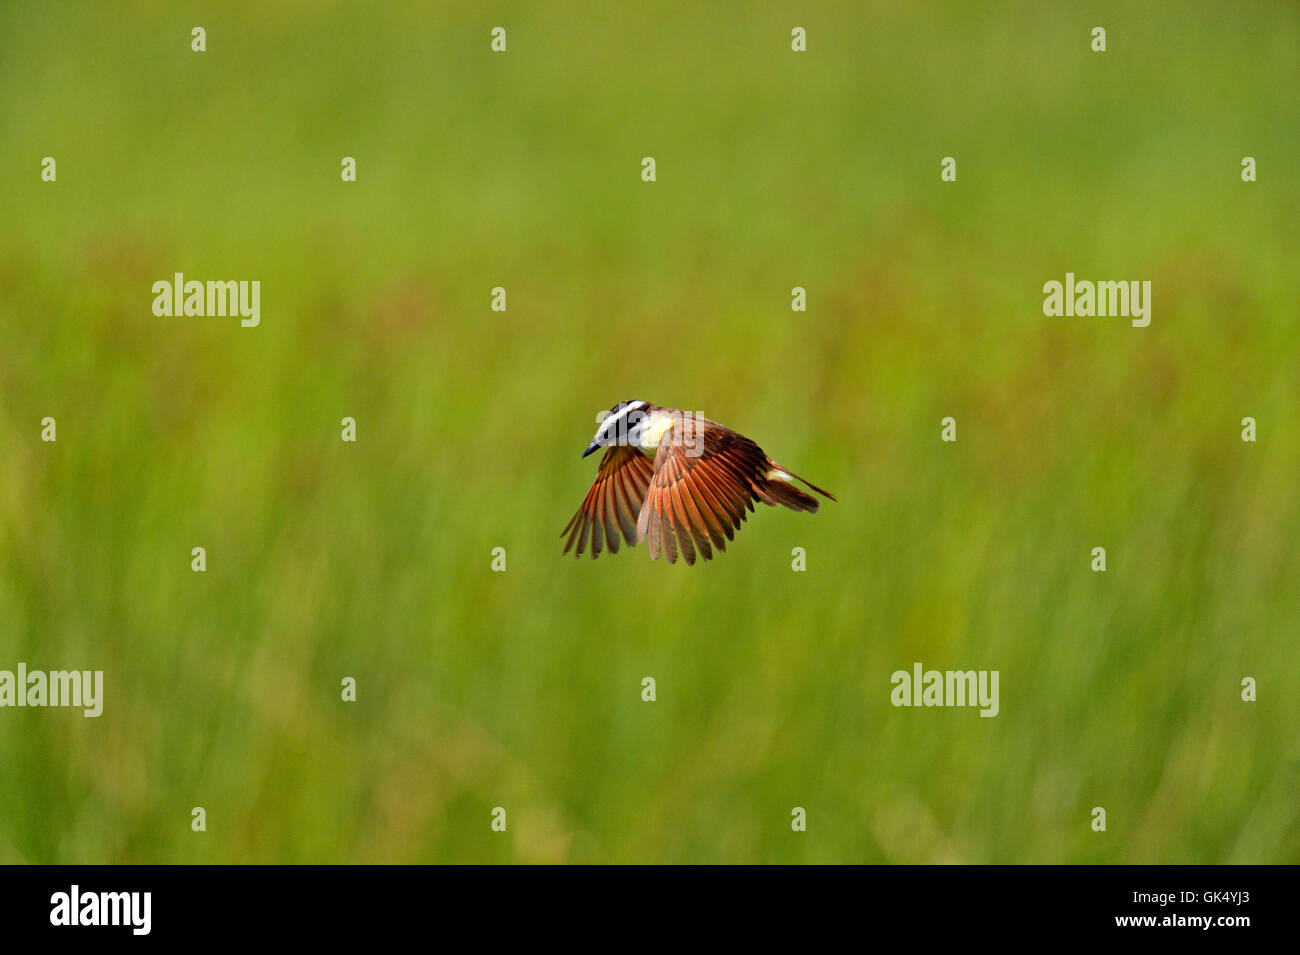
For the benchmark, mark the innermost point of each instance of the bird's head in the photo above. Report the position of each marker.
(621, 424)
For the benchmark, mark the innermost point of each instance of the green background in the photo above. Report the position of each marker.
(522, 689)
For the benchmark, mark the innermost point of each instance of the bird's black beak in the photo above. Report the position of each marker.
(591, 447)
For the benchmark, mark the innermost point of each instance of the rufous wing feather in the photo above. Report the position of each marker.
(611, 507)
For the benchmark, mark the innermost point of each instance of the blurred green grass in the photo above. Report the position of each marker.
(522, 689)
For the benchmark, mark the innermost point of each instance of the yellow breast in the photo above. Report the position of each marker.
(655, 429)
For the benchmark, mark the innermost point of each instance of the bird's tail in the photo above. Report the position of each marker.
(778, 489)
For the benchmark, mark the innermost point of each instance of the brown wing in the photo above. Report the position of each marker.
(613, 502)
(696, 502)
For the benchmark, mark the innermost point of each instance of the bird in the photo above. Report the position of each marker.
(677, 480)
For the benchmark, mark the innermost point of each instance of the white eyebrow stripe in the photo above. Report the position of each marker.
(610, 420)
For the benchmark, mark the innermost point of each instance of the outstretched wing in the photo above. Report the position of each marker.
(697, 502)
(612, 504)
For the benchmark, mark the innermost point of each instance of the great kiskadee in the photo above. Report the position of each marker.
(691, 495)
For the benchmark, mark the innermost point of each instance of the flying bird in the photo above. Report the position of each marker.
(677, 480)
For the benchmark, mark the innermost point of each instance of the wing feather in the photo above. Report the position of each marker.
(612, 503)
(696, 502)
